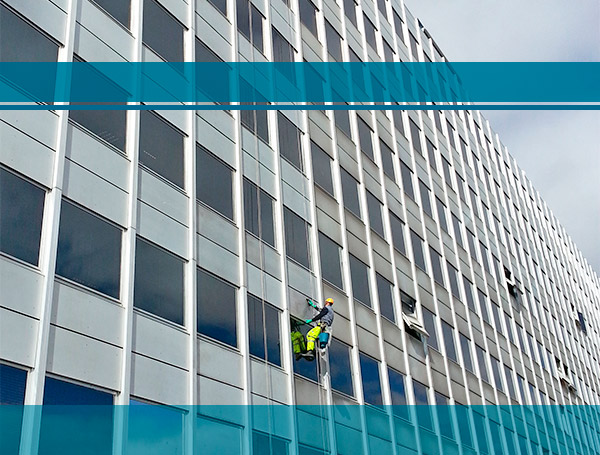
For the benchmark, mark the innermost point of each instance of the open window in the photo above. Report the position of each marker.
(412, 324)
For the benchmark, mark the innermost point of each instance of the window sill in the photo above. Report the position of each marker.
(216, 212)
(255, 237)
(163, 179)
(215, 342)
(268, 363)
(114, 19)
(93, 135)
(20, 262)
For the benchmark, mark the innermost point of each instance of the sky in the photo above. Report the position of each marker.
(558, 150)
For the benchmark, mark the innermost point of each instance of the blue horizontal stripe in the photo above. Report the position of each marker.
(103, 82)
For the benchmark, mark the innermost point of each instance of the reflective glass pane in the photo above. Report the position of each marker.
(465, 346)
(417, 246)
(429, 322)
(369, 369)
(422, 402)
(89, 250)
(321, 164)
(398, 233)
(216, 437)
(387, 159)
(448, 333)
(350, 193)
(161, 147)
(21, 212)
(407, 180)
(341, 372)
(260, 317)
(386, 299)
(12, 392)
(366, 138)
(119, 9)
(158, 282)
(308, 15)
(330, 260)
(289, 141)
(153, 429)
(162, 32)
(360, 281)
(398, 392)
(216, 308)
(214, 182)
(296, 237)
(436, 265)
(334, 42)
(375, 215)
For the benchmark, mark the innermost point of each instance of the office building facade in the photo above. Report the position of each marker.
(161, 257)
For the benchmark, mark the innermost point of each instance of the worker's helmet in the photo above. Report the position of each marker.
(329, 301)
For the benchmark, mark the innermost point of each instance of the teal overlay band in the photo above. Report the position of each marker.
(144, 429)
(263, 82)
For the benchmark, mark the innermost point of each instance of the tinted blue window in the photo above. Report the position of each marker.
(341, 372)
(444, 415)
(360, 281)
(119, 9)
(154, 430)
(329, 253)
(422, 402)
(12, 392)
(301, 366)
(260, 317)
(97, 263)
(216, 308)
(21, 211)
(296, 237)
(398, 394)
(216, 437)
(158, 282)
(162, 32)
(265, 444)
(464, 424)
(75, 429)
(386, 300)
(214, 182)
(369, 369)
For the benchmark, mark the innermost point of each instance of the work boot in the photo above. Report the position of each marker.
(310, 356)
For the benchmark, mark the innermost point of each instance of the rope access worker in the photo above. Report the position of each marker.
(325, 317)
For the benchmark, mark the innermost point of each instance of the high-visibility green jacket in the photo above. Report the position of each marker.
(298, 342)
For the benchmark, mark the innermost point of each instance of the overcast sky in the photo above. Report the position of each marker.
(558, 150)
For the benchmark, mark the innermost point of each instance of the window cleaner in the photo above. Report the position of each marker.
(321, 331)
(298, 341)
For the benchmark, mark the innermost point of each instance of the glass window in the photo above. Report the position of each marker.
(153, 429)
(510, 382)
(422, 402)
(350, 11)
(350, 192)
(334, 42)
(469, 294)
(118, 9)
(398, 25)
(414, 46)
(214, 182)
(108, 125)
(483, 371)
(331, 267)
(365, 136)
(431, 153)
(398, 122)
(425, 198)
(283, 52)
(258, 212)
(398, 391)
(216, 302)
(95, 264)
(443, 409)
(296, 237)
(446, 169)
(94, 413)
(370, 33)
(436, 265)
(342, 116)
(21, 42)
(12, 394)
(409, 304)
(464, 424)
(206, 54)
(387, 159)
(250, 23)
(301, 366)
(496, 313)
(397, 226)
(369, 369)
(261, 315)
(341, 371)
(221, 5)
(289, 141)
(268, 444)
(448, 333)
(308, 16)
(375, 215)
(253, 120)
(158, 282)
(429, 322)
(471, 240)
(162, 32)
(386, 299)
(359, 272)
(161, 147)
(417, 246)
(465, 346)
(21, 212)
(457, 230)
(496, 370)
(453, 276)
(321, 164)
(407, 180)
(483, 305)
(415, 133)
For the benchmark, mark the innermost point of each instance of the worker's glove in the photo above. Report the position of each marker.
(312, 304)
(308, 321)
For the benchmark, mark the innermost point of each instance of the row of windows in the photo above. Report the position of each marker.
(97, 264)
(163, 427)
